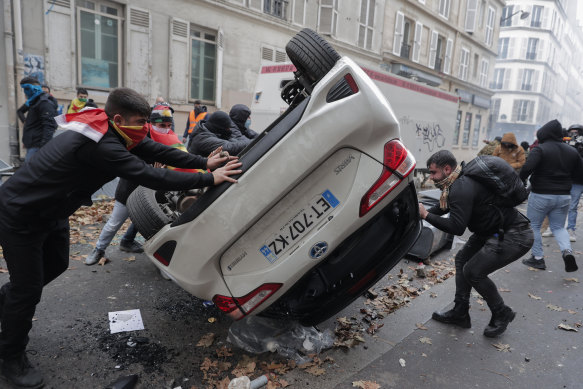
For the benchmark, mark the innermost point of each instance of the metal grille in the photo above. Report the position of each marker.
(267, 53)
(180, 29)
(139, 18)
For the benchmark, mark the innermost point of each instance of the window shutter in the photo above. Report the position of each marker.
(139, 50)
(256, 5)
(398, 38)
(325, 22)
(447, 61)
(541, 53)
(299, 9)
(417, 41)
(507, 74)
(219, 80)
(530, 111)
(433, 49)
(515, 107)
(523, 48)
(535, 81)
(545, 18)
(471, 11)
(511, 48)
(519, 79)
(60, 70)
(179, 61)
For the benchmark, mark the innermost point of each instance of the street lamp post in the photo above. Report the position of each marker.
(523, 15)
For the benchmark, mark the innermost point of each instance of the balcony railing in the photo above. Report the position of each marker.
(405, 50)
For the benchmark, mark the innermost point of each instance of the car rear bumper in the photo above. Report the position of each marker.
(355, 265)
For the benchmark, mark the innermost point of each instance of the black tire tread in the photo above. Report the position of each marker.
(312, 55)
(145, 212)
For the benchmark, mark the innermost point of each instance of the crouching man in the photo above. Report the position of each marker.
(500, 236)
(36, 202)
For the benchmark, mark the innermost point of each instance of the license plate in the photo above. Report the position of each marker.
(297, 227)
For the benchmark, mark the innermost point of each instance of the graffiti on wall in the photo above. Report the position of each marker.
(34, 66)
(431, 134)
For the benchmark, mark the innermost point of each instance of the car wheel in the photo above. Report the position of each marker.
(312, 56)
(145, 212)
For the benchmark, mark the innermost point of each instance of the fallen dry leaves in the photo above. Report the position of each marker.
(502, 347)
(365, 385)
(567, 327)
(206, 340)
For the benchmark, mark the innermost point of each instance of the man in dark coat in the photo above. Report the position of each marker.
(552, 167)
(214, 133)
(500, 236)
(240, 114)
(39, 125)
(36, 202)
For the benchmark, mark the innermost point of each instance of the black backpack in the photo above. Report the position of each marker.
(499, 177)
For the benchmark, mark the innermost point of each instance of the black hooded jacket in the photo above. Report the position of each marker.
(239, 115)
(553, 164)
(213, 133)
(69, 169)
(40, 124)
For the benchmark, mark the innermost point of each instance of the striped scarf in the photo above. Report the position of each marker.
(445, 184)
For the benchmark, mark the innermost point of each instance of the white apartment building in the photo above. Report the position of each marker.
(451, 44)
(537, 75)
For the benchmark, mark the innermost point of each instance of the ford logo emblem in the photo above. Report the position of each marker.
(319, 250)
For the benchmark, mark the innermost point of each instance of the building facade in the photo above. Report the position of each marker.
(538, 73)
(450, 44)
(212, 50)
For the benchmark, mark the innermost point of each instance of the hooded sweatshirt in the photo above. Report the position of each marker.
(514, 156)
(553, 164)
(239, 115)
(213, 133)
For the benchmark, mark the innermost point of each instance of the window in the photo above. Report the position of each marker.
(506, 19)
(328, 16)
(299, 10)
(484, 73)
(503, 48)
(522, 110)
(456, 131)
(536, 18)
(366, 29)
(464, 62)
(444, 8)
(495, 111)
(406, 44)
(477, 125)
(467, 128)
(277, 8)
(471, 11)
(203, 64)
(527, 78)
(490, 26)
(531, 48)
(498, 81)
(99, 29)
(436, 45)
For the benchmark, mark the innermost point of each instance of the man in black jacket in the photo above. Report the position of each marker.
(39, 125)
(36, 202)
(552, 167)
(214, 133)
(240, 115)
(470, 204)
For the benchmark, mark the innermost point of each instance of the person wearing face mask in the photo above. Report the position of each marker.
(36, 202)
(78, 102)
(500, 236)
(216, 132)
(240, 114)
(510, 151)
(39, 124)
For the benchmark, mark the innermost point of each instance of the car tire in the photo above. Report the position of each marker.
(312, 56)
(145, 212)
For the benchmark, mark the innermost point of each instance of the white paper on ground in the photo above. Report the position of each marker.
(122, 321)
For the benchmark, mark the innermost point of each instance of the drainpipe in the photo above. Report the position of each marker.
(18, 74)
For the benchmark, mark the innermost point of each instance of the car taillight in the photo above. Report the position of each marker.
(239, 307)
(398, 163)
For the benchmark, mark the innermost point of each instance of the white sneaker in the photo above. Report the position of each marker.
(572, 236)
(547, 233)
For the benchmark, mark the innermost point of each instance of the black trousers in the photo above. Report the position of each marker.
(482, 255)
(34, 259)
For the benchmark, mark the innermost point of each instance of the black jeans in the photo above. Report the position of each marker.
(34, 259)
(482, 255)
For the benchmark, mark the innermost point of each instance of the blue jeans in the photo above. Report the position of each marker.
(556, 208)
(30, 152)
(576, 191)
(116, 220)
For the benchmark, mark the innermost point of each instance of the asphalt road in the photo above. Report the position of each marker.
(71, 343)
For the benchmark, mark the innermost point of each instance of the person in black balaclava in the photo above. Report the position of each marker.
(240, 114)
(213, 133)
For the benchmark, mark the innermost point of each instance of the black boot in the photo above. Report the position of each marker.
(459, 316)
(501, 317)
(19, 372)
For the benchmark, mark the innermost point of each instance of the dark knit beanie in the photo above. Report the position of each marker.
(219, 123)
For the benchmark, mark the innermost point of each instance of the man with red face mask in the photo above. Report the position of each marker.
(36, 202)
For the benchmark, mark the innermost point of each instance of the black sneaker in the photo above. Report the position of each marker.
(94, 257)
(535, 263)
(459, 316)
(569, 259)
(130, 247)
(19, 372)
